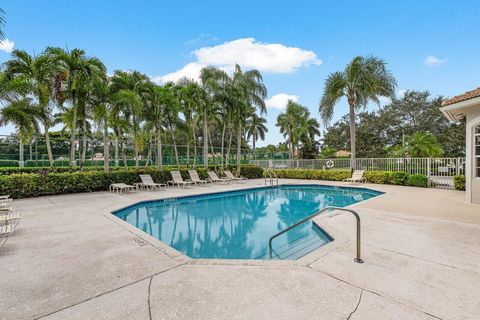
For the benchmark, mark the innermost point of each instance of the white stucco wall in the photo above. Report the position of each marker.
(472, 183)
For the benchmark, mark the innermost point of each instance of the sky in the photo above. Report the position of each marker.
(428, 45)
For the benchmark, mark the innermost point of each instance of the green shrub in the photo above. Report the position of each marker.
(417, 180)
(386, 177)
(33, 184)
(8, 163)
(459, 182)
(333, 175)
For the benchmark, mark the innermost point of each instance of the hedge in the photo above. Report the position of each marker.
(380, 177)
(34, 185)
(417, 180)
(459, 182)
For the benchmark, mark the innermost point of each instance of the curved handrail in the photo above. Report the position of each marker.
(357, 259)
(271, 176)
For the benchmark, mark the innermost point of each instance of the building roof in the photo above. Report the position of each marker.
(475, 93)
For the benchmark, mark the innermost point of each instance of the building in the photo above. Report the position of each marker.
(467, 106)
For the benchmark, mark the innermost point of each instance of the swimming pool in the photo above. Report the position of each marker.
(238, 224)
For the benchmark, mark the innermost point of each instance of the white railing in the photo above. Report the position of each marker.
(439, 170)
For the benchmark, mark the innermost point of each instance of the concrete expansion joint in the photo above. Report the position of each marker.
(148, 299)
(356, 307)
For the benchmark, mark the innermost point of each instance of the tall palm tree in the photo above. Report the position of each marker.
(102, 115)
(74, 71)
(364, 79)
(154, 115)
(293, 124)
(37, 74)
(249, 92)
(212, 81)
(131, 92)
(256, 129)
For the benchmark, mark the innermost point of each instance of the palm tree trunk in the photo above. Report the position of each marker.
(211, 148)
(84, 144)
(230, 136)
(74, 130)
(352, 134)
(106, 148)
(159, 150)
(117, 162)
(175, 147)
(21, 157)
(239, 145)
(194, 148)
(149, 153)
(223, 144)
(49, 147)
(205, 139)
(254, 151)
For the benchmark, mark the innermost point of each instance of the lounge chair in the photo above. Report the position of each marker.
(6, 230)
(147, 182)
(11, 218)
(195, 178)
(357, 176)
(178, 180)
(214, 178)
(230, 175)
(119, 187)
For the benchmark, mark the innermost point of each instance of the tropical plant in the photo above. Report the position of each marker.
(74, 74)
(293, 124)
(256, 129)
(420, 145)
(364, 79)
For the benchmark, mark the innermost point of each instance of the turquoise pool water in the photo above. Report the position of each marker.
(238, 224)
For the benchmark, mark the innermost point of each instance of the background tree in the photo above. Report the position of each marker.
(364, 79)
(256, 129)
(420, 145)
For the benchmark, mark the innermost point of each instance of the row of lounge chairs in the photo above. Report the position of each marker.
(9, 219)
(177, 180)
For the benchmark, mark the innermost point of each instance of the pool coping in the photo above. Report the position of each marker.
(339, 238)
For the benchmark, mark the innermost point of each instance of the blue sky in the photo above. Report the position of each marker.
(428, 45)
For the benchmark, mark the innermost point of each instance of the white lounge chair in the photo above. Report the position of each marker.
(230, 175)
(120, 187)
(195, 178)
(10, 218)
(357, 176)
(214, 178)
(147, 182)
(178, 180)
(6, 231)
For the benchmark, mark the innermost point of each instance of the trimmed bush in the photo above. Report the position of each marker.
(459, 182)
(34, 185)
(386, 177)
(332, 175)
(417, 180)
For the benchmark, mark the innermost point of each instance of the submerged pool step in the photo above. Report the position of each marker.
(297, 248)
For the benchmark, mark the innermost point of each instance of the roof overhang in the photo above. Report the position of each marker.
(456, 111)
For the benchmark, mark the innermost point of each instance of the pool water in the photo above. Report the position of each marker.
(238, 224)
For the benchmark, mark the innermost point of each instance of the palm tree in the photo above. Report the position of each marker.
(212, 81)
(249, 92)
(256, 129)
(21, 113)
(293, 124)
(130, 93)
(74, 71)
(154, 115)
(102, 115)
(421, 145)
(37, 74)
(364, 79)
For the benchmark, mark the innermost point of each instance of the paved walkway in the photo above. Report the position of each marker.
(70, 259)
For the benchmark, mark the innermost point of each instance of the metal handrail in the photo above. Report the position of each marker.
(272, 176)
(357, 259)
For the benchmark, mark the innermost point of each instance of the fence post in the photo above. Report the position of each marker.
(429, 163)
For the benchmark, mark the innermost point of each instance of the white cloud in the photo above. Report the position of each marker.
(249, 54)
(434, 61)
(202, 39)
(279, 101)
(6, 45)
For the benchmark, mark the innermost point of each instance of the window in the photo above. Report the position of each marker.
(476, 148)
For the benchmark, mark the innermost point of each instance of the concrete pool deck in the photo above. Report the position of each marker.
(70, 259)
